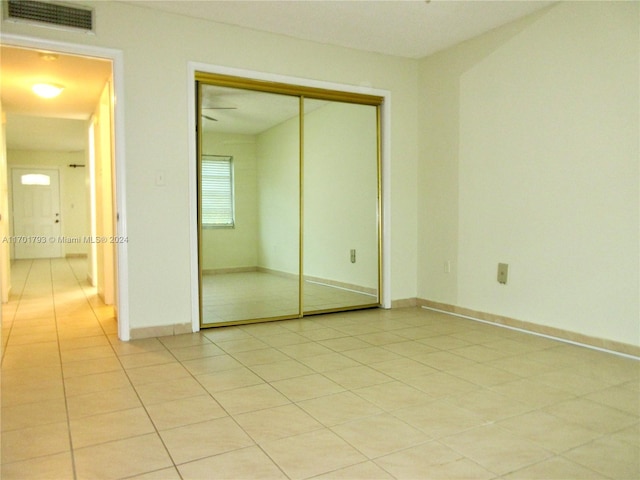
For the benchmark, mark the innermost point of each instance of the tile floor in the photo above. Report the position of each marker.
(233, 297)
(376, 394)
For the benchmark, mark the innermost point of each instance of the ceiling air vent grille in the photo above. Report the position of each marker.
(51, 14)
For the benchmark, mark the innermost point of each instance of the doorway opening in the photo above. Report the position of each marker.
(60, 164)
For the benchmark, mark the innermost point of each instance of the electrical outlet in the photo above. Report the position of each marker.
(353, 255)
(447, 266)
(503, 271)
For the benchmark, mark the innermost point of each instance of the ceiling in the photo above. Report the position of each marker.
(407, 28)
(34, 123)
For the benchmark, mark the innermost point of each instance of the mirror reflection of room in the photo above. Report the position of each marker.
(340, 205)
(257, 208)
(250, 264)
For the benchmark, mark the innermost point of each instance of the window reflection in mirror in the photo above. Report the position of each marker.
(250, 269)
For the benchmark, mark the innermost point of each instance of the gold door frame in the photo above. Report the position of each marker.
(302, 92)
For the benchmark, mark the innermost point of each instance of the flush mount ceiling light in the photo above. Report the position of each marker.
(47, 90)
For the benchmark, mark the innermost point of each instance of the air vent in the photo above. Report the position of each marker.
(49, 14)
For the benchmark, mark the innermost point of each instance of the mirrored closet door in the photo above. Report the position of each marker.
(288, 201)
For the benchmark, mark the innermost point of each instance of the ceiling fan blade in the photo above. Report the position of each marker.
(210, 118)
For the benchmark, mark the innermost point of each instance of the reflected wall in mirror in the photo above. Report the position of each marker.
(341, 239)
(249, 197)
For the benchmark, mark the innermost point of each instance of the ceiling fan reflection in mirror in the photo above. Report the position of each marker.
(208, 117)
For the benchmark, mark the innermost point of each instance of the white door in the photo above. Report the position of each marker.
(36, 213)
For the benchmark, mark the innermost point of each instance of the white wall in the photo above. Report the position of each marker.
(532, 160)
(278, 162)
(234, 247)
(73, 191)
(156, 50)
(340, 194)
(5, 253)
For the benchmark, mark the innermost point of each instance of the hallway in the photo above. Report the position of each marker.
(376, 394)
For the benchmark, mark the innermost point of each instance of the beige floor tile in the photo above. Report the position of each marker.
(548, 431)
(444, 361)
(96, 403)
(441, 384)
(122, 458)
(260, 356)
(381, 338)
(12, 377)
(132, 347)
(555, 468)
(357, 377)
(479, 353)
(619, 398)
(196, 351)
(410, 349)
(329, 361)
(186, 411)
(162, 474)
(521, 366)
(248, 399)
(137, 360)
(496, 449)
(490, 405)
(302, 350)
(88, 367)
(306, 387)
(98, 382)
(380, 435)
(157, 373)
(229, 379)
(440, 418)
(344, 343)
(592, 415)
(204, 439)
(320, 334)
(278, 422)
(284, 339)
(166, 391)
(394, 395)
(569, 381)
(531, 393)
(608, 456)
(87, 353)
(311, 454)
(507, 403)
(434, 461)
(33, 442)
(201, 366)
(241, 345)
(49, 390)
(371, 355)
(630, 435)
(403, 368)
(59, 466)
(361, 471)
(111, 426)
(245, 464)
(484, 375)
(34, 414)
(339, 408)
(176, 342)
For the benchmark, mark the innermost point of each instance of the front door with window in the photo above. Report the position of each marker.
(36, 213)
